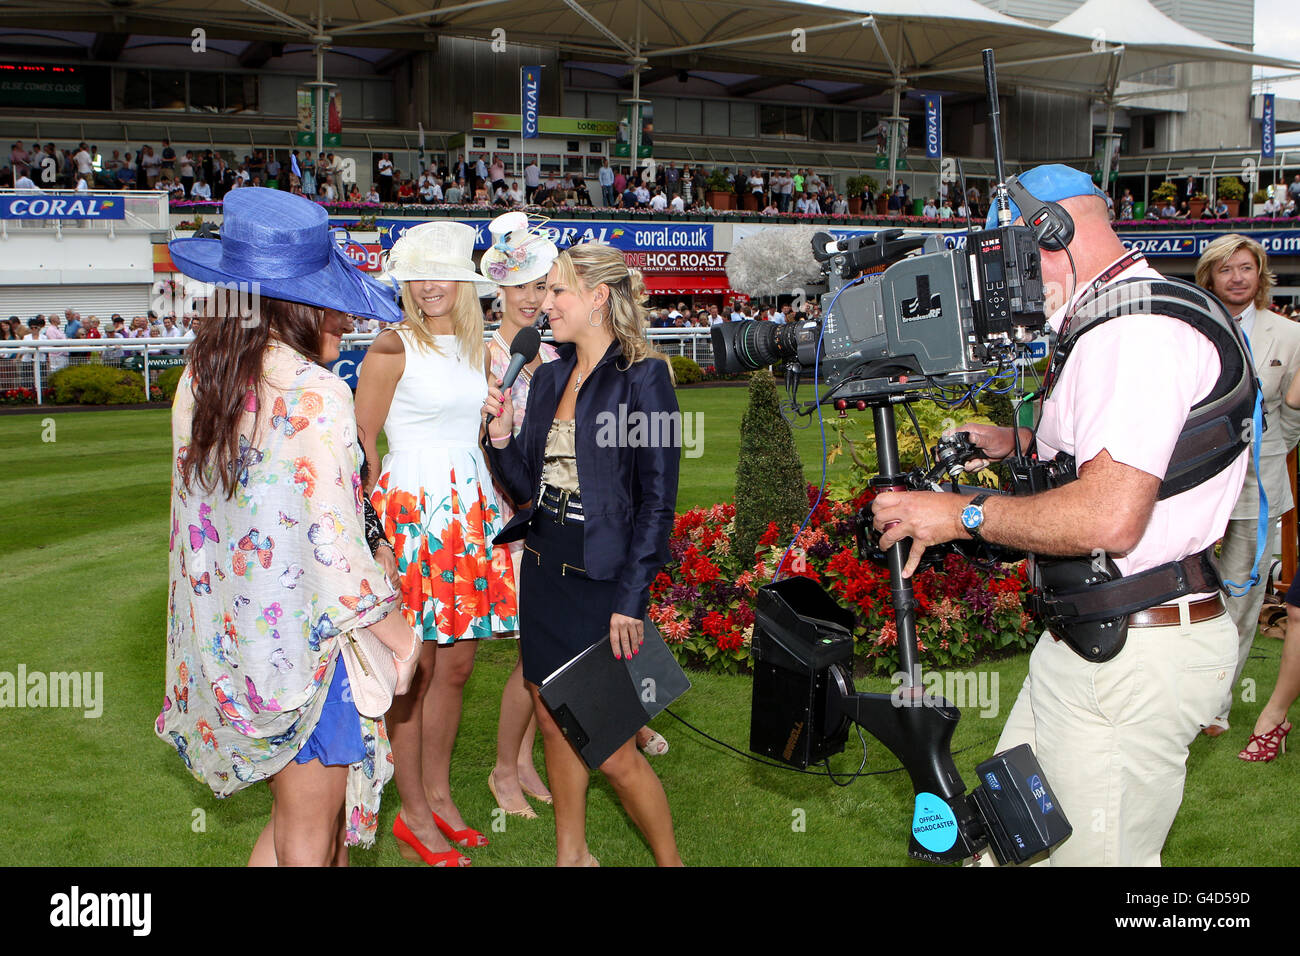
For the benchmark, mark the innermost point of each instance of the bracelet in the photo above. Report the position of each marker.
(504, 440)
(415, 644)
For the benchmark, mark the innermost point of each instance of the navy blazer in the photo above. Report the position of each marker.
(627, 478)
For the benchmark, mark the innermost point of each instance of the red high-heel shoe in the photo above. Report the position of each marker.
(409, 845)
(1271, 744)
(467, 838)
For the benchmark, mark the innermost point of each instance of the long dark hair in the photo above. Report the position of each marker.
(226, 360)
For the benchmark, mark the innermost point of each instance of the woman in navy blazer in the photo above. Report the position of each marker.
(604, 413)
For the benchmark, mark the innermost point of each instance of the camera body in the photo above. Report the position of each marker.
(901, 308)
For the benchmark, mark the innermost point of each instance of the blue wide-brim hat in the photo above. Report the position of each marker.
(281, 245)
(1050, 183)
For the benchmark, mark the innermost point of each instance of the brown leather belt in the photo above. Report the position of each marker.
(1168, 614)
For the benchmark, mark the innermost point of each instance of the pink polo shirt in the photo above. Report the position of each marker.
(1127, 388)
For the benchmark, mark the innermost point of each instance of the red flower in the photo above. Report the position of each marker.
(714, 624)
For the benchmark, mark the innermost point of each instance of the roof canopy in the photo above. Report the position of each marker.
(927, 43)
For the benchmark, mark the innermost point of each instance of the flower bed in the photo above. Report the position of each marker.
(24, 396)
(703, 600)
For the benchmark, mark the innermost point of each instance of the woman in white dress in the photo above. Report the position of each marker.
(424, 383)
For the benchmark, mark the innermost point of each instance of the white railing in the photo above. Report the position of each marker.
(28, 363)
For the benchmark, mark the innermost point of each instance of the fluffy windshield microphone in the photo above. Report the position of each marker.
(774, 261)
(522, 351)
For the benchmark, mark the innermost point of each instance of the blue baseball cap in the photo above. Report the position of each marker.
(1050, 183)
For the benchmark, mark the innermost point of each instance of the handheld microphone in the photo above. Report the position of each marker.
(522, 351)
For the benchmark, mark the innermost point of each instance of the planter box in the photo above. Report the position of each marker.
(855, 205)
(720, 200)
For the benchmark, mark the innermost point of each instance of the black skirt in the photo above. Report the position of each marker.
(562, 612)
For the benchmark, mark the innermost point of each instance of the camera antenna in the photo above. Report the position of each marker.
(965, 199)
(995, 119)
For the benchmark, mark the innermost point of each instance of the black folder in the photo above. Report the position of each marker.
(600, 702)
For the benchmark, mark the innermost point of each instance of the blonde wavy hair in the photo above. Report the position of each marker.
(467, 320)
(1224, 248)
(590, 264)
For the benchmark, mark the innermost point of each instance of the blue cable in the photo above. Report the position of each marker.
(821, 422)
(1261, 521)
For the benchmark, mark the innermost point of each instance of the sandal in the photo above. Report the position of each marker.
(656, 746)
(1271, 745)
(1272, 621)
(467, 837)
(528, 813)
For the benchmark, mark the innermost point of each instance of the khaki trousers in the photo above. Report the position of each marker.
(1236, 558)
(1112, 738)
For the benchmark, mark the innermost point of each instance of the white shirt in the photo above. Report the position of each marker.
(81, 185)
(659, 203)
(756, 184)
(678, 204)
(385, 167)
(716, 319)
(1247, 320)
(642, 194)
(84, 163)
(201, 190)
(532, 176)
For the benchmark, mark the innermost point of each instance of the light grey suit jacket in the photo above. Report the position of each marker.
(1275, 342)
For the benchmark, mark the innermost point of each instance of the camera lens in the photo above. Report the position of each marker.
(745, 346)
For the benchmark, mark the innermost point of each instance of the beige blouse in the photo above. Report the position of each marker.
(560, 461)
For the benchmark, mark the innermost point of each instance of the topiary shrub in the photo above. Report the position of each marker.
(686, 371)
(169, 380)
(97, 385)
(769, 476)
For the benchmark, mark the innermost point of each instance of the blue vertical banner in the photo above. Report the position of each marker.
(1269, 122)
(531, 79)
(933, 126)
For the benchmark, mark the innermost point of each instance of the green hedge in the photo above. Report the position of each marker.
(687, 371)
(97, 385)
(168, 380)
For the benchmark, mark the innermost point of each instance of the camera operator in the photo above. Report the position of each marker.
(1112, 737)
(1235, 268)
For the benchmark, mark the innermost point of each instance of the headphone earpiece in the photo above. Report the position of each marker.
(1052, 225)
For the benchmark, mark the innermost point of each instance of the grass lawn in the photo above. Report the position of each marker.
(83, 524)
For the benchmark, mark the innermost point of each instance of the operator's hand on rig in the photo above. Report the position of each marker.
(995, 440)
(927, 517)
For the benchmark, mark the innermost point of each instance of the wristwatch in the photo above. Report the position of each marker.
(972, 516)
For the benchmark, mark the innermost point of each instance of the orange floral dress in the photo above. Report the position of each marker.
(435, 498)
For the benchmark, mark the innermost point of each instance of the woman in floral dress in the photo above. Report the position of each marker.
(423, 384)
(268, 563)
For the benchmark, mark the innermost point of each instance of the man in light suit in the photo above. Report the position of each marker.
(1235, 268)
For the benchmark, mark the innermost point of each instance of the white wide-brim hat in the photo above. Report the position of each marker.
(438, 251)
(520, 253)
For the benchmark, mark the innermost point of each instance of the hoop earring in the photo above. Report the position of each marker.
(595, 325)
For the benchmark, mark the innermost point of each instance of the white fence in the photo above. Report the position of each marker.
(28, 363)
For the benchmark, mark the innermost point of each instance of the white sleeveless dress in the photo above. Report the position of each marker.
(437, 503)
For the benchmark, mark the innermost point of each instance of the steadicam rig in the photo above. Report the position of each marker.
(931, 319)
